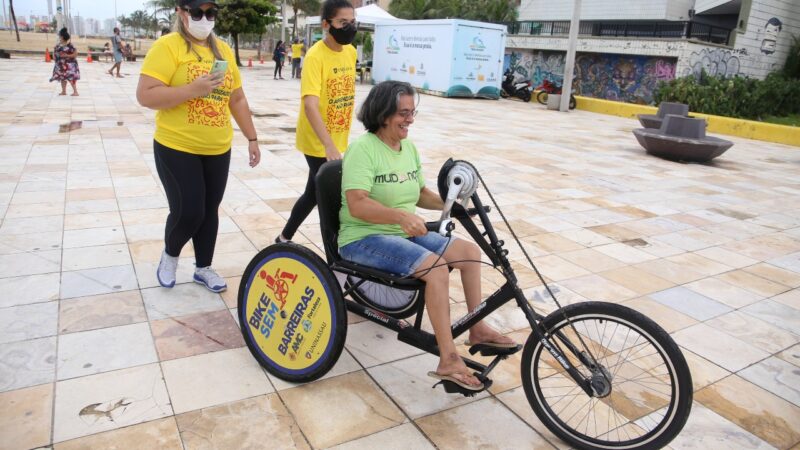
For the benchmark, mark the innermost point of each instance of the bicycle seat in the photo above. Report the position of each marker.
(329, 202)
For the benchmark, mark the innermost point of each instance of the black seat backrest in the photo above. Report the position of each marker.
(329, 202)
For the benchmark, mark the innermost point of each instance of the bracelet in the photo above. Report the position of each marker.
(253, 140)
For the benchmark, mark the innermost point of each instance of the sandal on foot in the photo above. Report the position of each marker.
(452, 379)
(503, 345)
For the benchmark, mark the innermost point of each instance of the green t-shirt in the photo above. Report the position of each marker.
(392, 178)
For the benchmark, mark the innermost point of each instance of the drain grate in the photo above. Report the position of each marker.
(636, 242)
(288, 129)
(267, 114)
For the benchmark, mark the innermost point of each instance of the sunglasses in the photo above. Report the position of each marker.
(198, 13)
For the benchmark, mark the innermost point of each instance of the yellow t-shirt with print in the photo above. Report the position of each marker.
(297, 51)
(201, 126)
(331, 76)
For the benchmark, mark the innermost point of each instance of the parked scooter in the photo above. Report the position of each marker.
(549, 87)
(511, 88)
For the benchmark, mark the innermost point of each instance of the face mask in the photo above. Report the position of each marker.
(344, 35)
(200, 29)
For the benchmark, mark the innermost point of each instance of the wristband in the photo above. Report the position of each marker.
(253, 140)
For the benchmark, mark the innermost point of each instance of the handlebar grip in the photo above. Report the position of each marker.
(434, 226)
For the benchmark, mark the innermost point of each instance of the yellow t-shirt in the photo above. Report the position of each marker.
(201, 126)
(297, 51)
(331, 76)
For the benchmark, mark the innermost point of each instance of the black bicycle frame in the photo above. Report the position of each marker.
(493, 248)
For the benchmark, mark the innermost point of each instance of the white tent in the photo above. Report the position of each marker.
(365, 15)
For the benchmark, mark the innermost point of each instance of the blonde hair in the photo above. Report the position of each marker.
(211, 40)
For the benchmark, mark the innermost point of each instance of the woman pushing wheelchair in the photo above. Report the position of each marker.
(382, 184)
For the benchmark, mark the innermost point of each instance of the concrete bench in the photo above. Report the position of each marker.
(664, 108)
(681, 139)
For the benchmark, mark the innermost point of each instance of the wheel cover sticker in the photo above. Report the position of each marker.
(288, 313)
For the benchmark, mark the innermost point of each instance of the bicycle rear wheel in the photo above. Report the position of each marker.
(642, 395)
(397, 303)
(541, 97)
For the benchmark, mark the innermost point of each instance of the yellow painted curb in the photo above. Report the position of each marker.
(750, 129)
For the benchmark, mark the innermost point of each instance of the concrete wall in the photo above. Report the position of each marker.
(764, 46)
(606, 9)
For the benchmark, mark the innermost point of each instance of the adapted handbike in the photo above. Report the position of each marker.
(598, 375)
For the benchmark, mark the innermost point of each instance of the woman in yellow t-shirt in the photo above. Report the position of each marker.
(192, 142)
(327, 90)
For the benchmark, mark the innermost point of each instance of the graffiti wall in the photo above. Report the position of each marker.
(715, 61)
(536, 65)
(627, 78)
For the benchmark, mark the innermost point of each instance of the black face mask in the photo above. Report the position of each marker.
(344, 35)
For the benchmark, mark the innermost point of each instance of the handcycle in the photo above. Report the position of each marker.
(598, 375)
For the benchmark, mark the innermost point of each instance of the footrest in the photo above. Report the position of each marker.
(493, 350)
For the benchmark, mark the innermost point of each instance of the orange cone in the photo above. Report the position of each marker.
(47, 55)
(89, 58)
(250, 62)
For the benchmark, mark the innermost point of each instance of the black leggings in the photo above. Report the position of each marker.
(307, 200)
(278, 68)
(194, 185)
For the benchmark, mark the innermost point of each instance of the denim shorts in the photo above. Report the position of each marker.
(394, 254)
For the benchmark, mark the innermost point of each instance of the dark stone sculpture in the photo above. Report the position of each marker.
(681, 139)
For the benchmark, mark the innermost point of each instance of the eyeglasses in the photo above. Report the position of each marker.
(341, 23)
(405, 114)
(198, 13)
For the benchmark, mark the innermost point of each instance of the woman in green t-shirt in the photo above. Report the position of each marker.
(382, 184)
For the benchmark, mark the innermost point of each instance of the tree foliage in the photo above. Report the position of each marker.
(792, 67)
(244, 16)
(496, 11)
(309, 7)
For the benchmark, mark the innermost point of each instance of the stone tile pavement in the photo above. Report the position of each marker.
(93, 354)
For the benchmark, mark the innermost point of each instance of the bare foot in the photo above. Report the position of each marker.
(456, 368)
(110, 73)
(62, 93)
(120, 76)
(75, 94)
(483, 334)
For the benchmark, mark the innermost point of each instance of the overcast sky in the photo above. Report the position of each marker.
(98, 9)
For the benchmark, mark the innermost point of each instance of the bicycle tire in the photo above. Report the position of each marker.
(541, 97)
(394, 302)
(302, 339)
(572, 102)
(670, 410)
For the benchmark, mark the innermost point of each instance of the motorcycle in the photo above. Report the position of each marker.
(511, 88)
(548, 87)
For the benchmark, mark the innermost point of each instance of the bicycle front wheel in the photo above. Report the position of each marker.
(541, 97)
(642, 387)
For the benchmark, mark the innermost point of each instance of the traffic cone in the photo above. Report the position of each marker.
(89, 58)
(47, 55)
(250, 62)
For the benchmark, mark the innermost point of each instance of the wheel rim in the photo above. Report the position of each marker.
(644, 395)
(383, 298)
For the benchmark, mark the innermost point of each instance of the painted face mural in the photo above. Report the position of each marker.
(771, 31)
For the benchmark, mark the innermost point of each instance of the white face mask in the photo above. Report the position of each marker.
(200, 29)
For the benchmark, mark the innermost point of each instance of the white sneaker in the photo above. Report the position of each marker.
(166, 270)
(206, 276)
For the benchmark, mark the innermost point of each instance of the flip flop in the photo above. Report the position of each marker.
(456, 381)
(493, 344)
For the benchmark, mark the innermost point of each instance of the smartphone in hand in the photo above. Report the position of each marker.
(219, 67)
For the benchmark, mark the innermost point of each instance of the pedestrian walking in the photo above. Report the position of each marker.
(118, 49)
(192, 142)
(278, 56)
(66, 63)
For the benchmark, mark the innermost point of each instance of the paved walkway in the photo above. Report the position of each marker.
(94, 355)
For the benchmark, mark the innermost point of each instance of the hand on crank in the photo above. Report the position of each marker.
(413, 225)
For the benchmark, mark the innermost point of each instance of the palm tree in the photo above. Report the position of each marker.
(13, 17)
(420, 9)
(307, 6)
